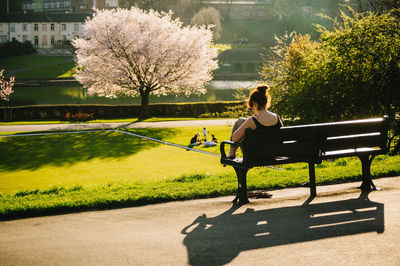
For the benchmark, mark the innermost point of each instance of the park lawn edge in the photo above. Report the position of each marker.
(116, 120)
(61, 200)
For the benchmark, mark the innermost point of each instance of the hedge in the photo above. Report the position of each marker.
(63, 112)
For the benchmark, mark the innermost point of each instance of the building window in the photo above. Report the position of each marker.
(1, 27)
(76, 27)
(12, 27)
(44, 40)
(24, 38)
(36, 40)
(24, 27)
(52, 26)
(63, 38)
(52, 39)
(26, 5)
(36, 27)
(307, 9)
(111, 3)
(44, 27)
(63, 27)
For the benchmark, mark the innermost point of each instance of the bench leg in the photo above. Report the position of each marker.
(367, 184)
(241, 193)
(311, 172)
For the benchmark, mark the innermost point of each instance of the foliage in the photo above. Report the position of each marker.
(135, 52)
(383, 5)
(104, 111)
(209, 17)
(5, 87)
(15, 47)
(353, 71)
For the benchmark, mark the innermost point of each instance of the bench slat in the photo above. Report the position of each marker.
(332, 130)
(269, 136)
(351, 142)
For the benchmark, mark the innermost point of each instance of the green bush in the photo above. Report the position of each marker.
(59, 112)
(15, 47)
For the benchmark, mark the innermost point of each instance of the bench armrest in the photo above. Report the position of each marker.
(222, 146)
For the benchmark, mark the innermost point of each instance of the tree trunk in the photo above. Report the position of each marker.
(144, 108)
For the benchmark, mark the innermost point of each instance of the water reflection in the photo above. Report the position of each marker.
(38, 95)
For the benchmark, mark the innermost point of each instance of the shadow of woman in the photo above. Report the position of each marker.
(218, 240)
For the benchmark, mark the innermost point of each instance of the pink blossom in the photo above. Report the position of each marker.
(6, 87)
(136, 52)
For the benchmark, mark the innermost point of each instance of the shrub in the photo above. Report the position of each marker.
(15, 47)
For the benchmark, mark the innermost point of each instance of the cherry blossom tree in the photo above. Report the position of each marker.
(135, 52)
(5, 87)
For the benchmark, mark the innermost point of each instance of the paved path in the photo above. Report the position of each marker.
(336, 228)
(45, 127)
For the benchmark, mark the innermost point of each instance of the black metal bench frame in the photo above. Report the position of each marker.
(310, 144)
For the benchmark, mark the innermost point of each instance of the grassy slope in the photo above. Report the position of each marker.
(23, 61)
(46, 72)
(92, 158)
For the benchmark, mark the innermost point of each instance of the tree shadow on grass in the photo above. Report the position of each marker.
(218, 240)
(33, 152)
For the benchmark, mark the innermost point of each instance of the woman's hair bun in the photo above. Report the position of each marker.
(262, 89)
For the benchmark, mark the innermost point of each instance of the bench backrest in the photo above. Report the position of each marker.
(341, 138)
(314, 142)
(300, 144)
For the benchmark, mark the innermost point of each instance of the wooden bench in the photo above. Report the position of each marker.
(310, 144)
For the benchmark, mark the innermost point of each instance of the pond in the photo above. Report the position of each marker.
(75, 94)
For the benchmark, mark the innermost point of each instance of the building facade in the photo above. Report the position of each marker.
(67, 6)
(42, 30)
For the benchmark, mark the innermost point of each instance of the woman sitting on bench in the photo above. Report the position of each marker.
(259, 100)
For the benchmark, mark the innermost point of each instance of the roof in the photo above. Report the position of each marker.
(43, 17)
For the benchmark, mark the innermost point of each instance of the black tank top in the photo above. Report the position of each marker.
(260, 126)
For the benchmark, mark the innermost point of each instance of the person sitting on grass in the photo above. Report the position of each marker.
(209, 143)
(195, 140)
(259, 101)
(214, 139)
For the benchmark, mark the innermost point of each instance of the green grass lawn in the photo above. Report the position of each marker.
(46, 72)
(24, 61)
(56, 173)
(80, 159)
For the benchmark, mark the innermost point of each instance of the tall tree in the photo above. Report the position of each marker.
(11, 5)
(135, 52)
(208, 16)
(353, 71)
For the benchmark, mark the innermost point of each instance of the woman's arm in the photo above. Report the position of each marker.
(239, 133)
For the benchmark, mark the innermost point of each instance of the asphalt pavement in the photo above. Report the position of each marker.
(338, 227)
